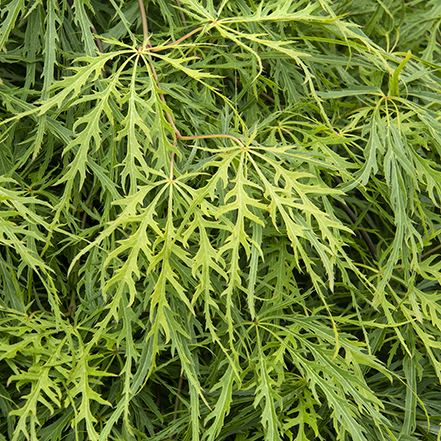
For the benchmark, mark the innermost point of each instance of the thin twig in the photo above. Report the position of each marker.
(180, 40)
(171, 165)
(270, 99)
(363, 233)
(262, 94)
(176, 409)
(430, 251)
(147, 45)
(181, 13)
(98, 43)
(218, 135)
(155, 75)
(145, 27)
(178, 393)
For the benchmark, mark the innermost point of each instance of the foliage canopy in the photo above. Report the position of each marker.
(220, 220)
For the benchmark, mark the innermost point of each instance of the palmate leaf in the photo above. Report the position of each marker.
(19, 236)
(91, 132)
(44, 389)
(334, 384)
(238, 236)
(41, 384)
(128, 215)
(240, 203)
(167, 282)
(306, 417)
(80, 377)
(71, 86)
(207, 258)
(296, 227)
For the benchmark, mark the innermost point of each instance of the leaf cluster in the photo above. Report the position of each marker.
(220, 220)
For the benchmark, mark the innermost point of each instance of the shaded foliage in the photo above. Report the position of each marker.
(220, 220)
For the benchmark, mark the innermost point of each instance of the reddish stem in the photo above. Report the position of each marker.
(180, 40)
